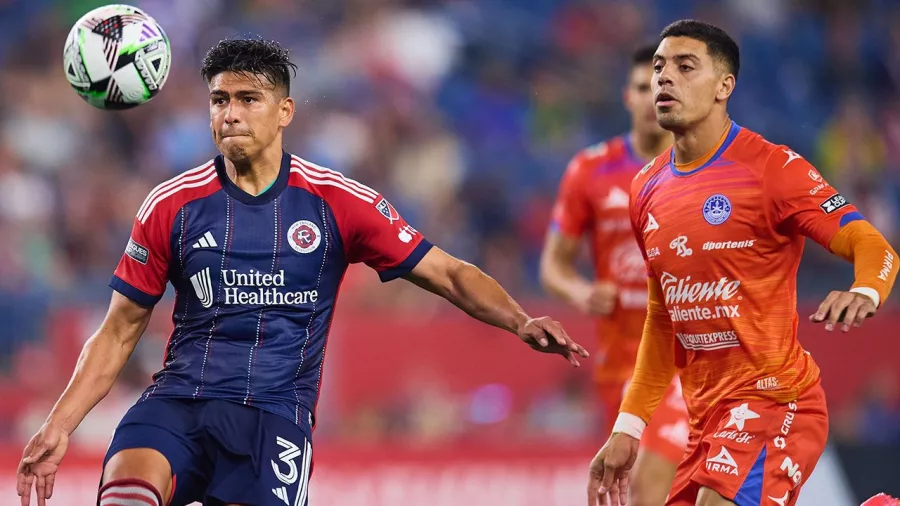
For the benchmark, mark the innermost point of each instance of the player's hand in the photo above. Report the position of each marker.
(547, 336)
(599, 300)
(40, 460)
(849, 308)
(608, 481)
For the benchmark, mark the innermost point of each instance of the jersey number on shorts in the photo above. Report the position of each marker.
(288, 456)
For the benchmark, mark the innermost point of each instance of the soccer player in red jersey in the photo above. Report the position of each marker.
(593, 203)
(255, 243)
(722, 218)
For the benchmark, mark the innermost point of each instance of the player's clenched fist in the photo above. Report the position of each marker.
(40, 460)
(600, 299)
(608, 481)
(547, 336)
(849, 308)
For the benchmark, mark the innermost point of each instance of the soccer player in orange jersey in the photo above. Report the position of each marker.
(722, 219)
(593, 203)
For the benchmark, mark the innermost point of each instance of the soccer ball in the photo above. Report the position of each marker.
(117, 57)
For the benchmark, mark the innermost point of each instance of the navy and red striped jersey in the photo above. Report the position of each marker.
(256, 277)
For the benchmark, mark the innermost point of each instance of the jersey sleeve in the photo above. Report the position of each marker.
(800, 201)
(655, 364)
(572, 210)
(640, 223)
(374, 233)
(142, 272)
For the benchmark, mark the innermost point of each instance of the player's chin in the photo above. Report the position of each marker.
(668, 120)
(235, 148)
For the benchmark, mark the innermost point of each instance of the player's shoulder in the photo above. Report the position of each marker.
(599, 155)
(649, 172)
(167, 197)
(331, 185)
(761, 155)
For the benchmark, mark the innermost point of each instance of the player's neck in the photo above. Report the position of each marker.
(256, 175)
(695, 142)
(649, 146)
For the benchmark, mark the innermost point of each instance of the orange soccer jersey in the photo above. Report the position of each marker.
(722, 239)
(593, 202)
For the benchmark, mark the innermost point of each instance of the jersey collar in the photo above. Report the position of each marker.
(263, 198)
(707, 159)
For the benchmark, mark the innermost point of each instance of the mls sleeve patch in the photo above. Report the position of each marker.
(833, 203)
(137, 252)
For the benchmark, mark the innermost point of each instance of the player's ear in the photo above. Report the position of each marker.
(726, 87)
(286, 112)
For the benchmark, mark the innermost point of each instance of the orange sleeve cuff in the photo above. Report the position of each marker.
(655, 364)
(875, 263)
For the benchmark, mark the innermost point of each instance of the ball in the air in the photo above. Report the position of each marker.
(117, 57)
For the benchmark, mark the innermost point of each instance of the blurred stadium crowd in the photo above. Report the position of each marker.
(463, 112)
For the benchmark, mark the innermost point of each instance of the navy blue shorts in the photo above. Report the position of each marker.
(221, 452)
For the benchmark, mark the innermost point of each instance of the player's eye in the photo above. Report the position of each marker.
(685, 68)
(249, 100)
(218, 101)
(657, 68)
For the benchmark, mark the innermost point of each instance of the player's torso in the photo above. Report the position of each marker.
(616, 257)
(728, 278)
(255, 282)
(233, 257)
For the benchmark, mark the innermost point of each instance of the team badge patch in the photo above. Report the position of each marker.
(387, 210)
(717, 209)
(137, 252)
(304, 236)
(834, 203)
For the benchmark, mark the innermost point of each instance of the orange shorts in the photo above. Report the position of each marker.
(753, 451)
(667, 433)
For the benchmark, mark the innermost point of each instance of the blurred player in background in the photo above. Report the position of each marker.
(593, 203)
(721, 219)
(255, 243)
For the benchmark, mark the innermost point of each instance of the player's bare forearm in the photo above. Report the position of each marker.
(469, 289)
(559, 275)
(102, 359)
(476, 293)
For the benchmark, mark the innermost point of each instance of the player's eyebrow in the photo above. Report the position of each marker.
(680, 56)
(238, 94)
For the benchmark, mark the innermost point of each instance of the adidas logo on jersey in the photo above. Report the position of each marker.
(207, 241)
(722, 463)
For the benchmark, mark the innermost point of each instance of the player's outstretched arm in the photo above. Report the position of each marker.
(875, 265)
(653, 371)
(102, 359)
(560, 277)
(827, 217)
(481, 297)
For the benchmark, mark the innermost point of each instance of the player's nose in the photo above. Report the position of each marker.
(664, 77)
(232, 114)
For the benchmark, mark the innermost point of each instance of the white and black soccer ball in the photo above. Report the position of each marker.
(117, 57)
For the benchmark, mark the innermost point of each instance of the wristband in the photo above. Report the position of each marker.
(632, 425)
(870, 292)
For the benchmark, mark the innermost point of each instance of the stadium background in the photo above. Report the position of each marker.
(463, 112)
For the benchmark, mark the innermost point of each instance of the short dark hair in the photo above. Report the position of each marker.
(720, 45)
(250, 56)
(643, 54)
